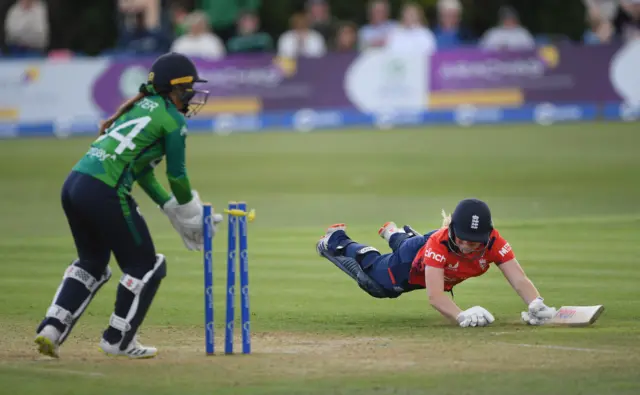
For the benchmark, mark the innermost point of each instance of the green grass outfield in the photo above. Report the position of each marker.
(566, 197)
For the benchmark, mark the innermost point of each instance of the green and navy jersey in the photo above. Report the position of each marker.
(135, 143)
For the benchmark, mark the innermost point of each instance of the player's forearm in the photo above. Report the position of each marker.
(177, 166)
(181, 188)
(445, 306)
(519, 281)
(156, 192)
(525, 289)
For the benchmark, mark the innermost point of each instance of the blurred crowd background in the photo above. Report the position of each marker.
(215, 28)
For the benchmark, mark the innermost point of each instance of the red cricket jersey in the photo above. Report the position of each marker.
(456, 268)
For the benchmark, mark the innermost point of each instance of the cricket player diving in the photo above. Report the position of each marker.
(463, 248)
(105, 219)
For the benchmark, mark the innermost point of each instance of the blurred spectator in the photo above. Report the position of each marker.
(509, 35)
(199, 41)
(150, 9)
(627, 20)
(86, 27)
(139, 39)
(412, 35)
(606, 8)
(448, 32)
(178, 11)
(140, 28)
(374, 35)
(600, 30)
(347, 37)
(224, 14)
(300, 40)
(249, 39)
(27, 27)
(321, 20)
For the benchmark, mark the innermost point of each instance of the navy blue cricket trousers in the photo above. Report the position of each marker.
(104, 222)
(390, 270)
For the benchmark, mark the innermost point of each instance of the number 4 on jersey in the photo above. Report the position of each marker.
(126, 141)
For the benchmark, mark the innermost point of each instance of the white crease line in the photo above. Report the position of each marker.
(556, 347)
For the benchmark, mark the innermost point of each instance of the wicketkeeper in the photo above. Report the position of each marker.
(105, 219)
(464, 247)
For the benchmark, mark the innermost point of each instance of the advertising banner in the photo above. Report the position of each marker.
(265, 83)
(379, 88)
(39, 91)
(381, 81)
(547, 74)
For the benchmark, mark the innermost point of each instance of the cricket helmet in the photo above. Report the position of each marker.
(175, 72)
(471, 221)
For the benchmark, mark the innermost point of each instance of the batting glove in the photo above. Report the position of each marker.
(538, 313)
(475, 316)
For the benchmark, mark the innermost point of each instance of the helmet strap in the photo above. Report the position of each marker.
(453, 246)
(185, 98)
(452, 240)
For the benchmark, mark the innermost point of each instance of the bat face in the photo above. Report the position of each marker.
(577, 315)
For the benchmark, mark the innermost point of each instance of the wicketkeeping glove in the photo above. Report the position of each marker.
(187, 221)
(475, 316)
(538, 313)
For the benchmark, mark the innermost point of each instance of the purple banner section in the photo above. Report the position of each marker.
(279, 84)
(550, 73)
(553, 74)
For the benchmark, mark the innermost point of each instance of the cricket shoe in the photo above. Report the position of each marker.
(135, 350)
(47, 341)
(389, 229)
(322, 243)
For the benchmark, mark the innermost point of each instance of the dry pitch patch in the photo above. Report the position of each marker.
(296, 356)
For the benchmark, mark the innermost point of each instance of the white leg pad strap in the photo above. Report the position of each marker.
(81, 275)
(91, 283)
(119, 323)
(135, 286)
(132, 284)
(61, 314)
(84, 277)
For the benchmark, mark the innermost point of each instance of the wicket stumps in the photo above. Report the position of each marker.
(207, 233)
(238, 216)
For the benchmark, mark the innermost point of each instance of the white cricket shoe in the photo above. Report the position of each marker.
(322, 243)
(134, 351)
(47, 341)
(389, 229)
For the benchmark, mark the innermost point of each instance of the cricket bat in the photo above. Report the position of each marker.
(572, 315)
(577, 315)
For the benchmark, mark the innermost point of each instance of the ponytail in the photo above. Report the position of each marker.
(446, 219)
(145, 90)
